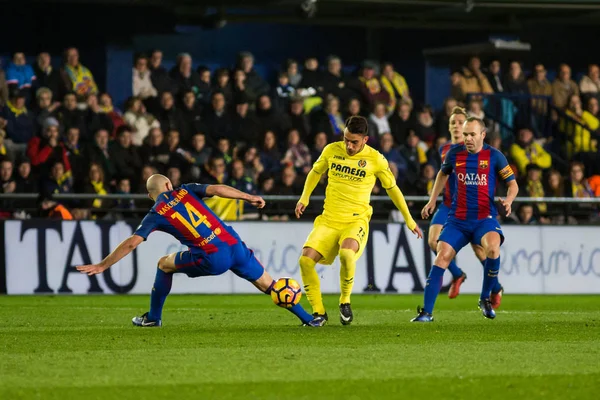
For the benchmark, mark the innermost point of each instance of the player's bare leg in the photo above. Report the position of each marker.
(310, 279)
(347, 254)
(445, 254)
(160, 291)
(491, 244)
(497, 290)
(458, 276)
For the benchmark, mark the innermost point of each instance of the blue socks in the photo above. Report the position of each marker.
(490, 276)
(160, 291)
(297, 310)
(455, 270)
(497, 286)
(432, 289)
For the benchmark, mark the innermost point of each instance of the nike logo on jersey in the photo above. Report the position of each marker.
(458, 164)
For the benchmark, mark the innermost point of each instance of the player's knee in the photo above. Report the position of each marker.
(493, 252)
(306, 264)
(443, 258)
(163, 265)
(346, 256)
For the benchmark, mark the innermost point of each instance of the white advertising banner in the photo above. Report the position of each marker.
(40, 257)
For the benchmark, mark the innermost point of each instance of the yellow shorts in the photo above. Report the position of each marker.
(327, 239)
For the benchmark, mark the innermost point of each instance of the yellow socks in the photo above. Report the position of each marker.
(312, 284)
(347, 271)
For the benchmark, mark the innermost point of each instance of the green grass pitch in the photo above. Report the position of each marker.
(243, 347)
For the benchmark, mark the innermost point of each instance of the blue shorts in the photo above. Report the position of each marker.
(441, 215)
(459, 233)
(237, 258)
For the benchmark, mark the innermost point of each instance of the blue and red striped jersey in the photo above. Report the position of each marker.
(476, 178)
(182, 214)
(451, 184)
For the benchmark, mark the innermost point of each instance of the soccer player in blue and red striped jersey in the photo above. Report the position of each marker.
(214, 247)
(473, 214)
(455, 126)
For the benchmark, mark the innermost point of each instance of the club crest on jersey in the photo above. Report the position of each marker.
(483, 164)
(362, 163)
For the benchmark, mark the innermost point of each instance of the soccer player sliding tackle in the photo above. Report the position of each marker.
(472, 217)
(455, 126)
(343, 227)
(214, 247)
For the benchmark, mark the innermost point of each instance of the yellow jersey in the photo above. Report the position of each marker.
(351, 180)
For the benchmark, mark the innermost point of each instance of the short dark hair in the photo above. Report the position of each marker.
(479, 121)
(357, 125)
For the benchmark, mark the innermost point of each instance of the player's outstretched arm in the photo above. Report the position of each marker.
(438, 186)
(400, 203)
(122, 250)
(229, 192)
(312, 179)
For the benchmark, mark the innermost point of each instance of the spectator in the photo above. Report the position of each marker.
(297, 154)
(217, 119)
(239, 180)
(395, 85)
(267, 187)
(442, 121)
(198, 156)
(270, 156)
(176, 153)
(427, 180)
(114, 114)
(526, 151)
(578, 187)
(371, 88)
(579, 134)
(283, 92)
(20, 75)
(253, 81)
(473, 80)
(539, 86)
(7, 185)
(45, 107)
(70, 116)
(125, 156)
(99, 153)
(515, 82)
(589, 85)
(96, 184)
(147, 172)
(46, 150)
(18, 122)
(159, 75)
(58, 181)
(320, 141)
(245, 127)
(563, 87)
(311, 76)
(555, 187)
(139, 120)
(76, 77)
(47, 76)
(3, 88)
(414, 157)
(494, 78)
(5, 152)
(271, 119)
(215, 171)
(354, 108)
(392, 154)
(291, 67)
(95, 118)
(299, 120)
(224, 150)
(77, 158)
(334, 82)
(526, 214)
(433, 154)
(123, 207)
(156, 151)
(379, 120)
(142, 81)
(593, 107)
(169, 117)
(191, 113)
(456, 87)
(26, 183)
(204, 89)
(401, 122)
(183, 77)
(252, 163)
(330, 120)
(240, 88)
(424, 127)
(287, 186)
(223, 84)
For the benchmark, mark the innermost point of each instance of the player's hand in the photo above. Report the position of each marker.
(257, 201)
(427, 210)
(417, 231)
(92, 269)
(300, 209)
(507, 206)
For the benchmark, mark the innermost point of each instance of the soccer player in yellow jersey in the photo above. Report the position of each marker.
(343, 227)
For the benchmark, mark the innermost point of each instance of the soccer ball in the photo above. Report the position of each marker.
(286, 292)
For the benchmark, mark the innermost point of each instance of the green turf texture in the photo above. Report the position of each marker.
(244, 347)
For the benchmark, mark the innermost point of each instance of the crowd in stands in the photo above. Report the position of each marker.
(60, 134)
